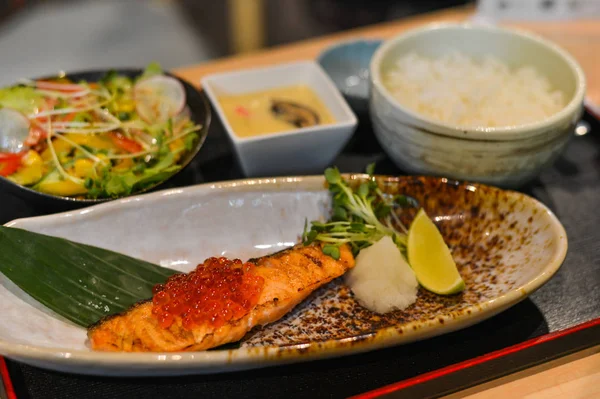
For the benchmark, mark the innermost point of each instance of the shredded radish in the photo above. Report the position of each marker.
(80, 124)
(58, 86)
(133, 125)
(63, 111)
(132, 155)
(58, 94)
(88, 130)
(108, 115)
(142, 153)
(143, 139)
(184, 133)
(52, 86)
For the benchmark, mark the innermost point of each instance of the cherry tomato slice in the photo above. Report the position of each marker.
(9, 163)
(124, 143)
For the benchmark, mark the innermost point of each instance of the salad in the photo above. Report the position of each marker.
(92, 140)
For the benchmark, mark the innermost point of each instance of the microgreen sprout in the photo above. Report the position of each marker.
(360, 217)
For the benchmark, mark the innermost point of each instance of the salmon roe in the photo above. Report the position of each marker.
(217, 291)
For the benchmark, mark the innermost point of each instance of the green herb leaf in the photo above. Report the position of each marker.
(82, 283)
(360, 216)
(358, 227)
(382, 210)
(332, 250)
(305, 231)
(317, 226)
(363, 190)
(338, 229)
(311, 236)
(371, 169)
(339, 213)
(333, 176)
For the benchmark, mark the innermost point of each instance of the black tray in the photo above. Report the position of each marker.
(515, 339)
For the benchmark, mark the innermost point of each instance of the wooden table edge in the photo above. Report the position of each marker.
(538, 377)
(571, 34)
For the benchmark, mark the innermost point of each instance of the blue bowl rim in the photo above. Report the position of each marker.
(347, 43)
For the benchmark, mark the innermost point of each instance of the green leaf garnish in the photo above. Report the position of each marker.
(332, 175)
(360, 217)
(370, 169)
(363, 190)
(339, 213)
(332, 250)
(80, 282)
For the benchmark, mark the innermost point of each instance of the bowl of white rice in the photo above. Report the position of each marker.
(476, 103)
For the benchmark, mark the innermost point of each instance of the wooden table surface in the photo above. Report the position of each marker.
(576, 376)
(581, 38)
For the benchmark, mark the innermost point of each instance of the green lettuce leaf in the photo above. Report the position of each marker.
(23, 99)
(152, 69)
(117, 184)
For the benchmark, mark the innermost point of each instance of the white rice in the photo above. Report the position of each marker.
(461, 91)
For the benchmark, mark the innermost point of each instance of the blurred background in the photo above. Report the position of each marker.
(41, 37)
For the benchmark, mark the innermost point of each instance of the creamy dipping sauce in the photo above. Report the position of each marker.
(281, 109)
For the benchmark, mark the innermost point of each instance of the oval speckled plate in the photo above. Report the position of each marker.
(506, 245)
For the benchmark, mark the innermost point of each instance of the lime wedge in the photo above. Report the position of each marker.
(430, 258)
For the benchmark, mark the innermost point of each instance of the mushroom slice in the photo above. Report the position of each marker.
(294, 113)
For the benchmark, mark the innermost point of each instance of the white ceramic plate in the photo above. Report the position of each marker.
(506, 245)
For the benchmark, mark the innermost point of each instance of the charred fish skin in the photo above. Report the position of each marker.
(289, 277)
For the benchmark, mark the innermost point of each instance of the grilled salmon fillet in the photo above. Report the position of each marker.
(289, 277)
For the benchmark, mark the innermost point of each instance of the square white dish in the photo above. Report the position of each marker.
(305, 150)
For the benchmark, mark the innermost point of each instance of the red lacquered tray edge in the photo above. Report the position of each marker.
(8, 386)
(410, 382)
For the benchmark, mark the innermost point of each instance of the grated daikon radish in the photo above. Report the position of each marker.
(382, 279)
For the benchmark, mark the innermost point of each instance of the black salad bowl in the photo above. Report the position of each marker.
(199, 111)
